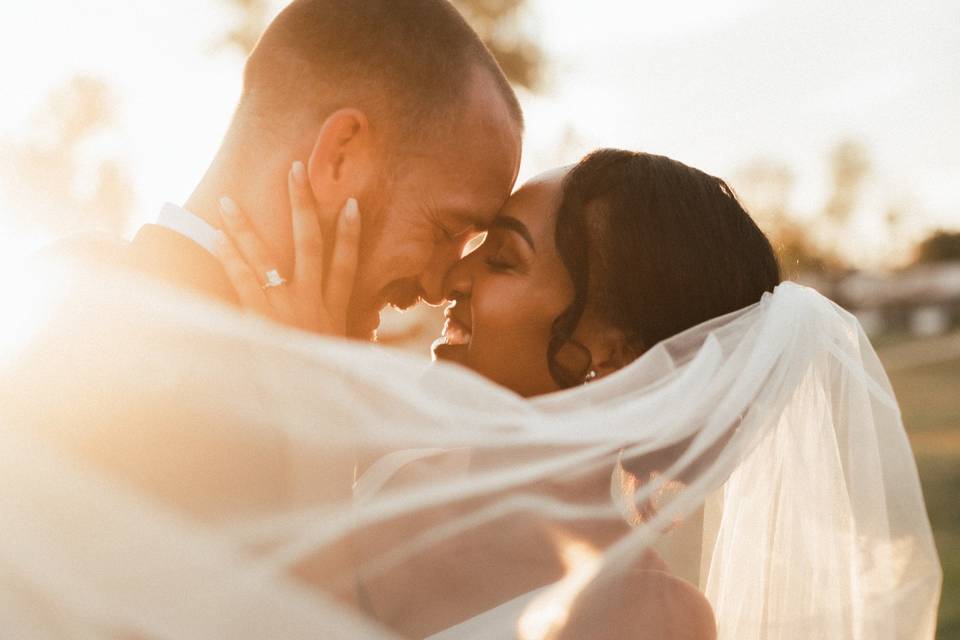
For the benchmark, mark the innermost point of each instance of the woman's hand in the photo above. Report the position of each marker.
(309, 299)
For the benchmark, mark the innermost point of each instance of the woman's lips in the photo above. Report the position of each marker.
(454, 342)
(455, 332)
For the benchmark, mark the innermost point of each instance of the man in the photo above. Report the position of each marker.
(394, 103)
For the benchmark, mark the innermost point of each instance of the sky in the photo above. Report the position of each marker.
(716, 84)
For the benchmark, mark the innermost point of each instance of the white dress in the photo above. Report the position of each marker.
(498, 622)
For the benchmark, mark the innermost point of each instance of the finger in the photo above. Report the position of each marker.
(242, 277)
(343, 265)
(307, 236)
(245, 240)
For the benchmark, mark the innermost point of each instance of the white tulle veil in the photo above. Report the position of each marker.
(173, 469)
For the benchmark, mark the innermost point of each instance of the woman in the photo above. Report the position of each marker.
(583, 271)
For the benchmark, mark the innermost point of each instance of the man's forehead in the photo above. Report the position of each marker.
(461, 190)
(479, 214)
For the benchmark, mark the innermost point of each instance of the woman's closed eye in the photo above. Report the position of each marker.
(500, 257)
(503, 252)
(498, 264)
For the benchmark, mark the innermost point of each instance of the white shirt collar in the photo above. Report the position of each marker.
(189, 225)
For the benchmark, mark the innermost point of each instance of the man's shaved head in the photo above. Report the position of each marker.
(396, 104)
(408, 61)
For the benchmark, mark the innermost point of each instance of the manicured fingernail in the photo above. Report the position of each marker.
(229, 207)
(299, 173)
(351, 212)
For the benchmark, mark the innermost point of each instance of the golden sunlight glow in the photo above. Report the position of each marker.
(30, 302)
(681, 79)
(549, 610)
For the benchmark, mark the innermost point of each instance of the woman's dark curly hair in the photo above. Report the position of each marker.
(653, 247)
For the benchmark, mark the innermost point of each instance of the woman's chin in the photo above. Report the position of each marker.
(442, 350)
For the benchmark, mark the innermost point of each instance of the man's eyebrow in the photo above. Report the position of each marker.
(512, 224)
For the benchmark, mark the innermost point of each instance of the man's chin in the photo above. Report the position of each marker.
(365, 316)
(364, 327)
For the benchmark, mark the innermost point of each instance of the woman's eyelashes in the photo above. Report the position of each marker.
(500, 259)
(498, 265)
(503, 251)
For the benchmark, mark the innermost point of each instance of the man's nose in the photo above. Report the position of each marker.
(458, 283)
(433, 278)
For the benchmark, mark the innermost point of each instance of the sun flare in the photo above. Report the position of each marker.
(550, 609)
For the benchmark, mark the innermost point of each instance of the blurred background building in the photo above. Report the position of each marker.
(835, 122)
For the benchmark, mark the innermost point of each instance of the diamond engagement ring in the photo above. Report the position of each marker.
(274, 279)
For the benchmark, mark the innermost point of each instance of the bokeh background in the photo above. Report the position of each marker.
(836, 122)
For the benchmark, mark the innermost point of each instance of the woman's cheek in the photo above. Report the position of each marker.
(500, 344)
(512, 321)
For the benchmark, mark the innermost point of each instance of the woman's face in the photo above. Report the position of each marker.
(507, 293)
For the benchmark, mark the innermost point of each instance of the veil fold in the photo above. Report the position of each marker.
(175, 469)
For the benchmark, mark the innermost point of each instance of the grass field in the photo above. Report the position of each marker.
(926, 377)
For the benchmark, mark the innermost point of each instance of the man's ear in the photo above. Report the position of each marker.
(341, 163)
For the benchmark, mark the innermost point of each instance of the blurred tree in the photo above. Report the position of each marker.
(940, 246)
(800, 255)
(59, 178)
(849, 167)
(765, 187)
(498, 22)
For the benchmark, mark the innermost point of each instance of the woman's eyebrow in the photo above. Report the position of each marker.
(512, 224)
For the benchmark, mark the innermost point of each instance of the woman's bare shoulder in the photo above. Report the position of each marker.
(640, 604)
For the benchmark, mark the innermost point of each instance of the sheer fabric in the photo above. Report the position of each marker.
(174, 469)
